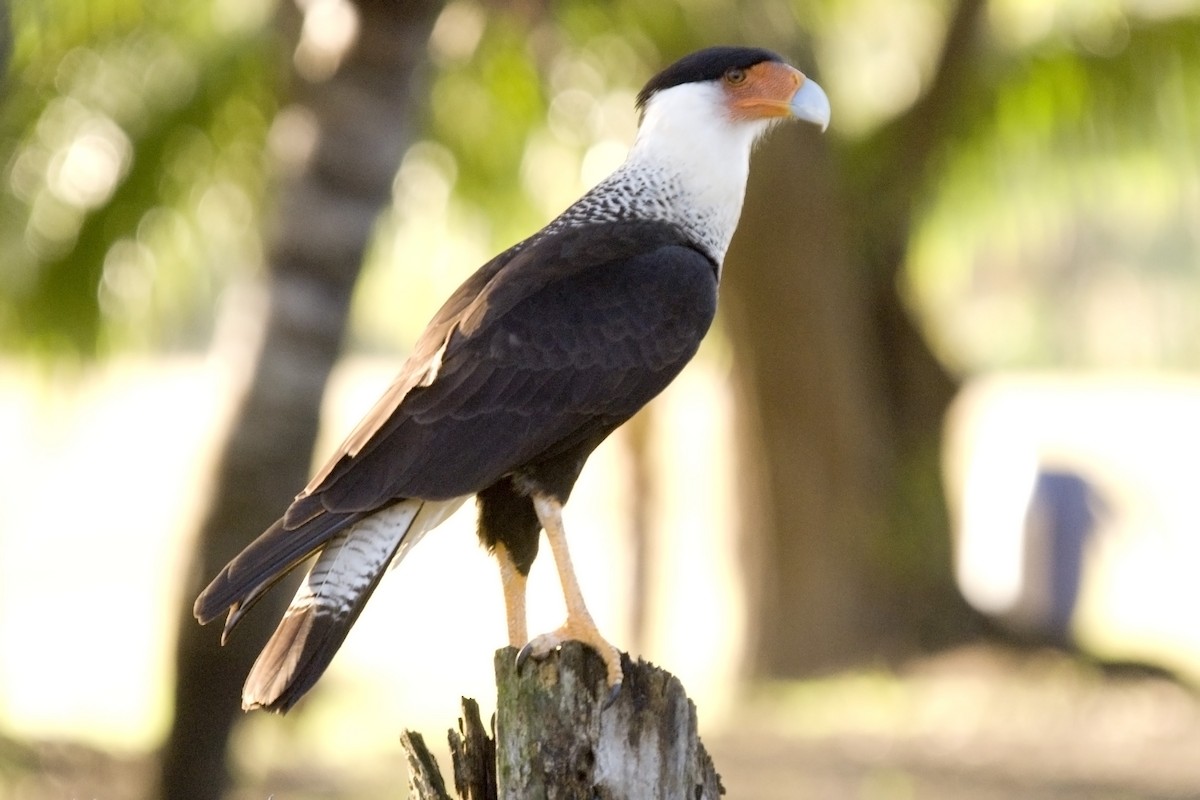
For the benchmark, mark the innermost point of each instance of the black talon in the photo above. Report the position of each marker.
(612, 696)
(523, 655)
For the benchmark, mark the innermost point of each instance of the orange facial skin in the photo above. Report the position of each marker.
(763, 91)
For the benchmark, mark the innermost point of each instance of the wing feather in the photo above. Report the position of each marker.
(421, 368)
(563, 341)
(547, 348)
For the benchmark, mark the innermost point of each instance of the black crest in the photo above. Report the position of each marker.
(703, 65)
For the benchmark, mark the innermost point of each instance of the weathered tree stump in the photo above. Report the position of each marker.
(552, 738)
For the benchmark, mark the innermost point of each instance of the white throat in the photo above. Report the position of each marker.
(687, 167)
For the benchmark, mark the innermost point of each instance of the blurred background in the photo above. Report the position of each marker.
(919, 521)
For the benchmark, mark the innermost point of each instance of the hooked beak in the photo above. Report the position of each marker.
(810, 103)
(774, 90)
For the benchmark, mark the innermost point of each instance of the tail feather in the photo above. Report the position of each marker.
(330, 599)
(300, 651)
(275, 553)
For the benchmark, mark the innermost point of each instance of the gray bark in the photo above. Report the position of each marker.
(555, 740)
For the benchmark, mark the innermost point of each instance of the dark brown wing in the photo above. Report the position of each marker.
(570, 337)
(295, 537)
(419, 368)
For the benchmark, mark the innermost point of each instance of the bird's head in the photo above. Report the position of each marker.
(741, 88)
(700, 118)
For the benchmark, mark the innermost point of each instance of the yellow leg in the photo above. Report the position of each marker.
(513, 583)
(579, 625)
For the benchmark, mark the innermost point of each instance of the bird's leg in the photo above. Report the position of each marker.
(513, 583)
(579, 625)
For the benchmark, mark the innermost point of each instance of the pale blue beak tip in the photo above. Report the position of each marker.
(811, 104)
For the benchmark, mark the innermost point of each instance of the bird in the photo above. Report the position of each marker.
(533, 361)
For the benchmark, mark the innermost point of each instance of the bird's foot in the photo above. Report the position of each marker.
(575, 630)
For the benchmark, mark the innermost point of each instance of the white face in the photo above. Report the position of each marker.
(691, 158)
(690, 139)
(735, 108)
(698, 116)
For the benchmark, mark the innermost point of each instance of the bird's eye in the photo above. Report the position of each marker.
(735, 75)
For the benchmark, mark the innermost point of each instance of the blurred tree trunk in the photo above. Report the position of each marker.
(5, 37)
(841, 399)
(364, 115)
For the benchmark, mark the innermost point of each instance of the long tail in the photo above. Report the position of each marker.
(354, 553)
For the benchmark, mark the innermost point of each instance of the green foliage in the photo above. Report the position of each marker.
(491, 98)
(1060, 228)
(131, 136)
(483, 111)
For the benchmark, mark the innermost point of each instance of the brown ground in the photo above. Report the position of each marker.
(978, 724)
